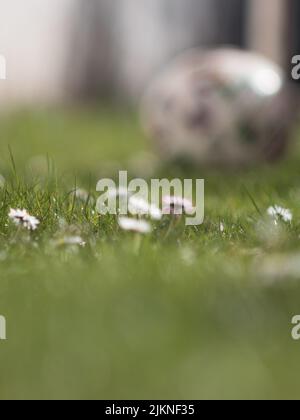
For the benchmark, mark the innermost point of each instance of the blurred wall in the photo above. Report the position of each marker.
(59, 50)
(267, 30)
(121, 45)
(35, 38)
(294, 26)
(151, 32)
(93, 56)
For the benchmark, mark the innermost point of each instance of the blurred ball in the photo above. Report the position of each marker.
(218, 107)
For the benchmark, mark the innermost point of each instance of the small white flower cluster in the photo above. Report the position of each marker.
(23, 218)
(138, 206)
(280, 213)
(134, 225)
(177, 206)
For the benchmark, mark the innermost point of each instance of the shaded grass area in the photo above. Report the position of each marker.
(198, 314)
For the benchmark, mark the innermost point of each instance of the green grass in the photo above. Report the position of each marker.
(196, 314)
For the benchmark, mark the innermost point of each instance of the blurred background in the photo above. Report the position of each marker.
(76, 70)
(75, 50)
(208, 309)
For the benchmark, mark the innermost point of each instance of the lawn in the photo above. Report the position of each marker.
(200, 313)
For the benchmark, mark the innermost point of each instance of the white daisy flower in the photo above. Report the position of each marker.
(177, 205)
(280, 213)
(134, 225)
(23, 218)
(139, 206)
(81, 194)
